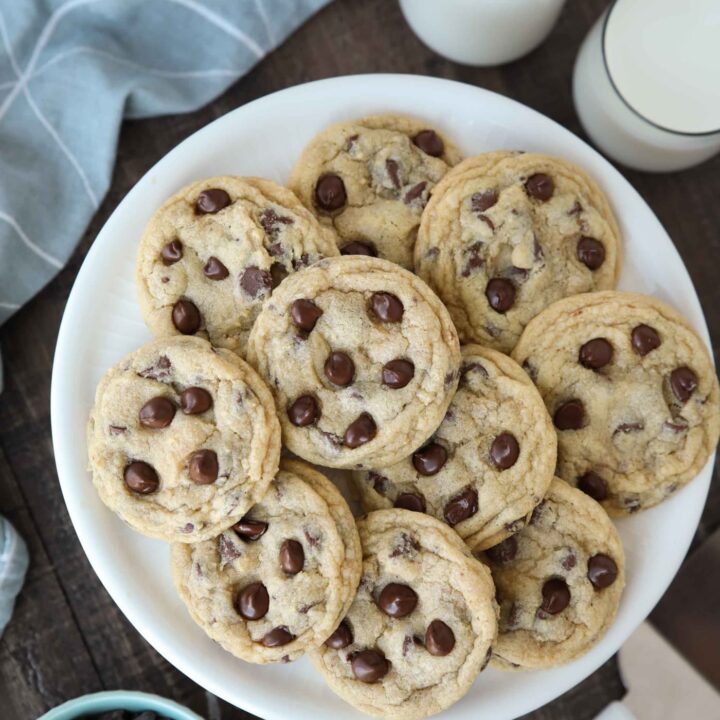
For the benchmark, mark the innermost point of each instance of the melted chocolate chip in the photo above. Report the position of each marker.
(482, 201)
(593, 485)
(504, 451)
(540, 186)
(277, 637)
(339, 368)
(360, 431)
(304, 411)
(255, 281)
(410, 501)
(271, 221)
(141, 477)
(398, 373)
(211, 201)
(253, 601)
(214, 269)
(556, 596)
(278, 273)
(305, 313)
(195, 400)
(461, 506)
(645, 339)
(203, 467)
(473, 259)
(602, 571)
(503, 552)
(186, 317)
(341, 638)
(570, 415)
(683, 382)
(250, 530)
(595, 354)
(414, 192)
(393, 171)
(369, 666)
(157, 413)
(569, 562)
(292, 557)
(430, 143)
(330, 192)
(590, 252)
(397, 600)
(386, 307)
(172, 252)
(439, 639)
(430, 459)
(500, 293)
(357, 247)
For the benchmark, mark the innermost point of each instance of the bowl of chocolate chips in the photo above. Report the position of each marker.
(120, 705)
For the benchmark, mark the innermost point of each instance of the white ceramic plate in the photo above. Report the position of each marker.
(102, 323)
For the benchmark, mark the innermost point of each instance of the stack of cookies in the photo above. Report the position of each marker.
(327, 319)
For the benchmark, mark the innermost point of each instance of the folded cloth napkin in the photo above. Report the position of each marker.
(13, 564)
(70, 71)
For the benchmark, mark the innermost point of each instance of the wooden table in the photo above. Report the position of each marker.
(67, 637)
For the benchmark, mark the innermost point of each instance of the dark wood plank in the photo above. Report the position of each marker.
(63, 605)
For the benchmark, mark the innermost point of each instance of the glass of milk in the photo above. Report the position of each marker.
(646, 83)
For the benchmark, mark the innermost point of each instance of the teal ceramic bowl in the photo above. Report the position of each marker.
(119, 700)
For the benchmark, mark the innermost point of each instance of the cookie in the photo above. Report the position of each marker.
(279, 581)
(214, 252)
(421, 626)
(370, 179)
(183, 439)
(506, 234)
(559, 582)
(632, 392)
(488, 464)
(362, 358)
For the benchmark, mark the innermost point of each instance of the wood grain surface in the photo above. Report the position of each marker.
(67, 637)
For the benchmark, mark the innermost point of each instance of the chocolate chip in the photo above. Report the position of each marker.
(159, 370)
(255, 281)
(305, 313)
(186, 317)
(271, 221)
(439, 639)
(195, 400)
(472, 367)
(595, 354)
(500, 293)
(398, 373)
(228, 549)
(540, 186)
(172, 252)
(387, 307)
(277, 636)
(473, 260)
(410, 501)
(250, 530)
(461, 506)
(556, 596)
(380, 482)
(537, 513)
(141, 477)
(278, 273)
(301, 262)
(330, 192)
(356, 247)
(590, 252)
(430, 143)
(253, 601)
(211, 201)
(203, 467)
(503, 552)
(397, 600)
(339, 368)
(482, 201)
(430, 459)
(369, 666)
(360, 431)
(393, 170)
(593, 485)
(683, 382)
(570, 415)
(645, 339)
(405, 546)
(292, 557)
(504, 451)
(414, 192)
(602, 571)
(157, 413)
(627, 428)
(304, 411)
(569, 562)
(341, 638)
(215, 270)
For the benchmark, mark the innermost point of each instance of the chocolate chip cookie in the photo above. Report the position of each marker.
(506, 234)
(278, 581)
(420, 628)
(559, 582)
(214, 252)
(488, 464)
(632, 392)
(183, 439)
(370, 179)
(362, 358)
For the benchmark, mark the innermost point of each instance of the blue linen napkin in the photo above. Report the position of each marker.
(13, 564)
(70, 71)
